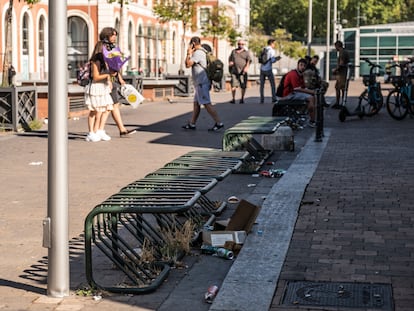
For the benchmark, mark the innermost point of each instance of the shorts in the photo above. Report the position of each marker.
(340, 82)
(115, 92)
(298, 96)
(239, 80)
(202, 94)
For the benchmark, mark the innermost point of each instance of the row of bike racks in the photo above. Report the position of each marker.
(242, 137)
(125, 235)
(128, 228)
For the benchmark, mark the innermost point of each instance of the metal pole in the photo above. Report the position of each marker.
(56, 225)
(157, 29)
(335, 21)
(328, 35)
(319, 117)
(309, 27)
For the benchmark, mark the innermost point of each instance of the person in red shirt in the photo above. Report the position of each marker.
(294, 89)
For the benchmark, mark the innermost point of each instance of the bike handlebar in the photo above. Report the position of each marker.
(372, 65)
(403, 64)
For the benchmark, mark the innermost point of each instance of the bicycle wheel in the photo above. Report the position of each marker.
(370, 102)
(364, 102)
(379, 99)
(397, 105)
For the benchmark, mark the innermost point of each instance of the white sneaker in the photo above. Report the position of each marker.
(93, 137)
(103, 135)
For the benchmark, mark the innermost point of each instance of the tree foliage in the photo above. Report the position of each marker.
(180, 10)
(269, 15)
(220, 25)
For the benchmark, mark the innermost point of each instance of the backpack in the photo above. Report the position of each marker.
(280, 87)
(84, 75)
(263, 57)
(215, 67)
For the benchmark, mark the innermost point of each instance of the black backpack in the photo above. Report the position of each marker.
(215, 67)
(279, 90)
(263, 57)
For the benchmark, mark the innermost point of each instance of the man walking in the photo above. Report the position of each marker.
(340, 72)
(267, 72)
(197, 60)
(239, 62)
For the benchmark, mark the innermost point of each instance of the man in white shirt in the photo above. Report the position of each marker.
(266, 71)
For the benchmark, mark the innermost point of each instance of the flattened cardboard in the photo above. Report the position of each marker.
(219, 238)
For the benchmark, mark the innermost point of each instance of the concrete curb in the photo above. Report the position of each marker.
(253, 276)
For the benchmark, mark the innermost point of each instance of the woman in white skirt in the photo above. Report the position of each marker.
(98, 96)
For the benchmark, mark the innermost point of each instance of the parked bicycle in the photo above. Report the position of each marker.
(371, 98)
(400, 100)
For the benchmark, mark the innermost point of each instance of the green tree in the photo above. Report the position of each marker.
(269, 15)
(7, 60)
(233, 36)
(219, 26)
(283, 40)
(181, 10)
(257, 41)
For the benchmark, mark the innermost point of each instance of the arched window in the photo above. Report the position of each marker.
(148, 52)
(25, 34)
(140, 40)
(41, 48)
(130, 42)
(173, 48)
(41, 41)
(77, 44)
(25, 44)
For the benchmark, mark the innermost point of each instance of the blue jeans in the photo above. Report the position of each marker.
(271, 77)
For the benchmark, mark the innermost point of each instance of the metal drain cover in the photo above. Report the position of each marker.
(355, 295)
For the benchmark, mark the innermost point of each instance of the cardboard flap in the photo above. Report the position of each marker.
(244, 217)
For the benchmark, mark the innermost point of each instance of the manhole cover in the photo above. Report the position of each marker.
(355, 295)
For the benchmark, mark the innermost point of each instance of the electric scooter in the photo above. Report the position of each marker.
(345, 111)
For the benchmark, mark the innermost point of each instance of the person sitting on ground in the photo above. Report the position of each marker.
(294, 89)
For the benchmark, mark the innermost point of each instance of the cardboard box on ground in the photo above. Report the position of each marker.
(231, 233)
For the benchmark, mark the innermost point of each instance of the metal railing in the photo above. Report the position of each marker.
(135, 220)
(18, 107)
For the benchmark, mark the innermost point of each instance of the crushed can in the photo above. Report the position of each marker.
(208, 249)
(224, 253)
(211, 294)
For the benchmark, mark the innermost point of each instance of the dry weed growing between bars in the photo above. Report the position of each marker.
(177, 241)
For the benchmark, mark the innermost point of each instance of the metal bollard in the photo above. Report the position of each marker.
(319, 116)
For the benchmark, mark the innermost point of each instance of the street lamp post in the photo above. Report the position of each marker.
(328, 35)
(309, 27)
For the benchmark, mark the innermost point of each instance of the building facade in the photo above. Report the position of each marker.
(154, 47)
(379, 43)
